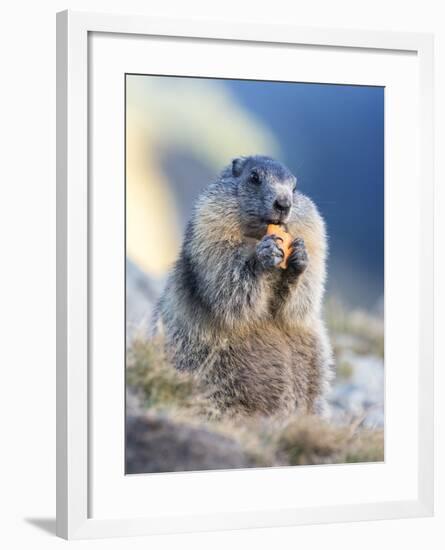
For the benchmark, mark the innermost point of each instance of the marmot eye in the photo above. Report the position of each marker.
(254, 177)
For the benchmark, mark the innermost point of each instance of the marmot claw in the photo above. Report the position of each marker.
(268, 253)
(298, 259)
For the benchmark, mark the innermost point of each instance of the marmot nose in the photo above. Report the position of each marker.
(282, 205)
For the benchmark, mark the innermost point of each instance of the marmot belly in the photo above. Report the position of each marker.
(266, 372)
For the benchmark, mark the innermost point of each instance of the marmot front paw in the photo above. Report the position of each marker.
(298, 259)
(268, 253)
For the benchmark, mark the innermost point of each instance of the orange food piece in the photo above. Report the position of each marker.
(284, 241)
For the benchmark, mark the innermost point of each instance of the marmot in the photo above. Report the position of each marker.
(251, 331)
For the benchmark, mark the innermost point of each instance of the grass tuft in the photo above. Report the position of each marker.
(163, 388)
(311, 440)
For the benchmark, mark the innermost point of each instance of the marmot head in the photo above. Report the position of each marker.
(265, 189)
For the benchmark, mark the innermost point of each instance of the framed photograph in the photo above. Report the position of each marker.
(244, 275)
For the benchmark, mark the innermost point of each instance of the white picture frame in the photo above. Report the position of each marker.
(75, 467)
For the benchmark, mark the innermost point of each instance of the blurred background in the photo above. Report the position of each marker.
(181, 132)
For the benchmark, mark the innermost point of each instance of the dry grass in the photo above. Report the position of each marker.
(310, 440)
(363, 333)
(267, 442)
(163, 388)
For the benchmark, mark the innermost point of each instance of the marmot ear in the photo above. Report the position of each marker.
(238, 165)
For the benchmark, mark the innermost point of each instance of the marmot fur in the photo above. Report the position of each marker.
(251, 331)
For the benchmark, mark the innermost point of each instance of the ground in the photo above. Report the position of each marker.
(172, 427)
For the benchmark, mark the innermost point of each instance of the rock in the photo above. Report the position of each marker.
(362, 394)
(142, 293)
(157, 444)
